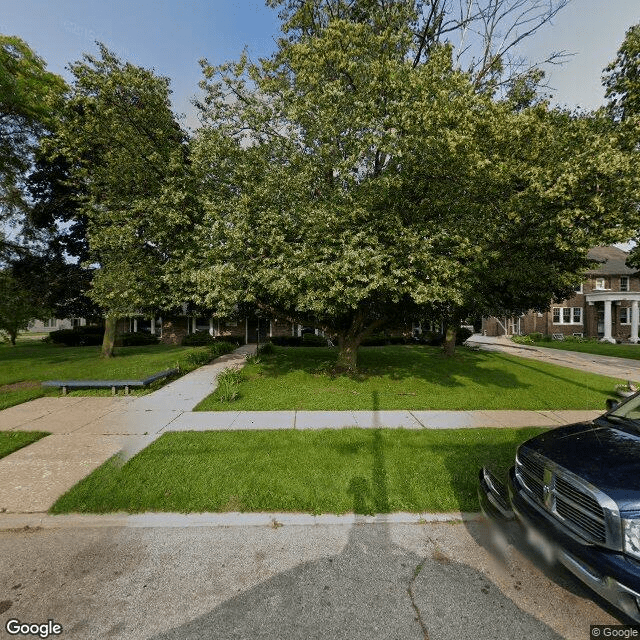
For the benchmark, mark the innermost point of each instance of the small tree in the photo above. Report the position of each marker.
(17, 306)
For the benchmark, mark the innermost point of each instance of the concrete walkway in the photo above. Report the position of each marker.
(88, 431)
(623, 368)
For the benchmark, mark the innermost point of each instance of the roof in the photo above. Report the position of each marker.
(613, 262)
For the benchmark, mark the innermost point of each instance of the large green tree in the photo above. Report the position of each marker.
(127, 151)
(353, 178)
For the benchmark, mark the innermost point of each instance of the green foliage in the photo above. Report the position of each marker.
(463, 334)
(367, 188)
(522, 339)
(29, 99)
(228, 382)
(535, 335)
(78, 337)
(266, 349)
(622, 78)
(287, 341)
(197, 339)
(136, 339)
(312, 340)
(17, 305)
(124, 147)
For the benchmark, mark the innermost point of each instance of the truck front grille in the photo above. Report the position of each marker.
(559, 494)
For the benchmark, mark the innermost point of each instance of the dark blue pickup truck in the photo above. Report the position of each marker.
(576, 491)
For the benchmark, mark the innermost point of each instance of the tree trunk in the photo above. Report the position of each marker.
(347, 353)
(12, 336)
(449, 346)
(109, 336)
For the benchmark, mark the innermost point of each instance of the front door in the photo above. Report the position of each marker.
(256, 324)
(600, 322)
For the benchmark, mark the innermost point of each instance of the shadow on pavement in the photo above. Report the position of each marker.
(373, 589)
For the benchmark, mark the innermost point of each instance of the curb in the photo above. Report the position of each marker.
(26, 522)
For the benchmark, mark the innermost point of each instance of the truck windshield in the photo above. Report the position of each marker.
(629, 410)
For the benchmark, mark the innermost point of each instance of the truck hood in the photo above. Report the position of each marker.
(608, 457)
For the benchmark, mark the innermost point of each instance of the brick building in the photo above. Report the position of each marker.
(604, 306)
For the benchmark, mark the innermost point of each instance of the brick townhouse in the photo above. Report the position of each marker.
(604, 306)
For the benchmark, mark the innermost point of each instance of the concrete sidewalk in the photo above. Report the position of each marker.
(88, 431)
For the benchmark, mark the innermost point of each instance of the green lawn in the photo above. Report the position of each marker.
(11, 441)
(631, 351)
(25, 366)
(412, 377)
(328, 471)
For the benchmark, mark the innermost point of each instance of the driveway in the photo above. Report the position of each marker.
(623, 368)
(353, 579)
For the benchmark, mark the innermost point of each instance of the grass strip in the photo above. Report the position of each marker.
(413, 378)
(11, 441)
(327, 471)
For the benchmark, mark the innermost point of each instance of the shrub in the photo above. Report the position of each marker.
(287, 341)
(228, 381)
(462, 334)
(136, 339)
(312, 340)
(547, 337)
(397, 340)
(522, 339)
(376, 340)
(220, 347)
(536, 336)
(266, 349)
(433, 339)
(202, 339)
(199, 339)
(81, 336)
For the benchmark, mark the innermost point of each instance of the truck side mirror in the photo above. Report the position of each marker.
(611, 404)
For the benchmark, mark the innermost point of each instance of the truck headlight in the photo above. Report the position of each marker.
(631, 532)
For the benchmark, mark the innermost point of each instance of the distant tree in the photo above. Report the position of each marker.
(129, 156)
(18, 306)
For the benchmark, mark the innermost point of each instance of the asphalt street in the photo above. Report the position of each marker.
(441, 581)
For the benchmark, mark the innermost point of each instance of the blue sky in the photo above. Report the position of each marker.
(172, 35)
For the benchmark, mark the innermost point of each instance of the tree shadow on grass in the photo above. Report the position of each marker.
(396, 364)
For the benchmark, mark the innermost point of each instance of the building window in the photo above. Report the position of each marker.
(579, 288)
(625, 315)
(624, 283)
(601, 283)
(567, 315)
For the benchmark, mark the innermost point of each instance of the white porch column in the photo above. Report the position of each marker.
(271, 328)
(211, 326)
(153, 325)
(634, 321)
(135, 325)
(193, 324)
(607, 322)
